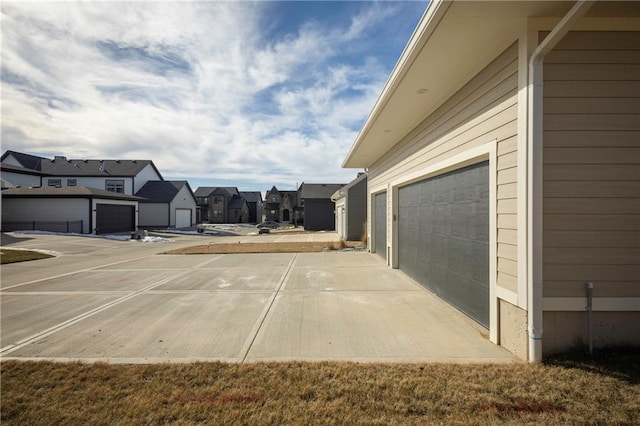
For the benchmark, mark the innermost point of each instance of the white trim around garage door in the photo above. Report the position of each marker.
(485, 152)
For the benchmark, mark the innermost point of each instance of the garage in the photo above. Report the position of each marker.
(381, 224)
(113, 218)
(443, 237)
(183, 218)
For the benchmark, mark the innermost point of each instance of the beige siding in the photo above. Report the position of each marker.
(592, 165)
(482, 111)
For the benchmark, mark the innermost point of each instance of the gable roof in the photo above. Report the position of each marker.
(204, 191)
(231, 190)
(66, 192)
(100, 168)
(319, 190)
(62, 166)
(27, 161)
(251, 196)
(159, 191)
(343, 191)
(162, 191)
(237, 202)
(17, 169)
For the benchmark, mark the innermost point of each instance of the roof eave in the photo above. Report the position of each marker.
(432, 15)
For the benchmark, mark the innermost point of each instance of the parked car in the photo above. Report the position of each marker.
(268, 225)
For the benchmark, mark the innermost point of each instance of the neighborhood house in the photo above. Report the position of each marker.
(90, 196)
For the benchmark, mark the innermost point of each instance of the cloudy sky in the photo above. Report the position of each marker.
(247, 94)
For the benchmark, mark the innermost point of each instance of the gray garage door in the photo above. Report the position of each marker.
(113, 218)
(381, 224)
(443, 237)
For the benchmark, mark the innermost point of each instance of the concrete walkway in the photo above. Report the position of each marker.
(122, 302)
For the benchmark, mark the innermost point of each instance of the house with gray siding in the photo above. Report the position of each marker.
(167, 204)
(502, 158)
(121, 176)
(123, 194)
(351, 209)
(316, 205)
(77, 209)
(254, 202)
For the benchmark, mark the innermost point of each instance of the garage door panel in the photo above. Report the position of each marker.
(443, 241)
(114, 218)
(183, 218)
(381, 224)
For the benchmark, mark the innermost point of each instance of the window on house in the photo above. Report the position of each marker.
(273, 212)
(217, 200)
(273, 199)
(55, 182)
(114, 185)
(217, 213)
(71, 182)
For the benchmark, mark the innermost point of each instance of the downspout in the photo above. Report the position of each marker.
(535, 131)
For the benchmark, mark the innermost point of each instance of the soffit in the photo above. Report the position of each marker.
(452, 43)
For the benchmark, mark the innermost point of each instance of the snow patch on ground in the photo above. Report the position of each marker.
(104, 237)
(183, 232)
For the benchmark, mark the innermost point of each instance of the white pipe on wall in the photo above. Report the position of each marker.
(535, 129)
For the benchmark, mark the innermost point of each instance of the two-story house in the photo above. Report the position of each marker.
(254, 201)
(102, 194)
(281, 206)
(221, 205)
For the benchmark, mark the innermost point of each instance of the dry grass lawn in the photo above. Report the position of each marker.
(264, 247)
(605, 391)
(13, 256)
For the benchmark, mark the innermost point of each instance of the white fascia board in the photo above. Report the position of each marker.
(428, 23)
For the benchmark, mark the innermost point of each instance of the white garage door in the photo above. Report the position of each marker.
(183, 218)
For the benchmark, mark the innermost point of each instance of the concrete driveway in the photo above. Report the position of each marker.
(122, 302)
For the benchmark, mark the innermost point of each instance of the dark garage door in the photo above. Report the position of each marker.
(443, 240)
(112, 218)
(381, 224)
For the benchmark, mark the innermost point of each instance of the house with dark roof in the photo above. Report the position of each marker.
(166, 204)
(220, 205)
(238, 209)
(254, 201)
(126, 178)
(121, 176)
(316, 205)
(281, 206)
(78, 209)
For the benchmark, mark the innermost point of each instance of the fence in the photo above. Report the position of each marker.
(68, 226)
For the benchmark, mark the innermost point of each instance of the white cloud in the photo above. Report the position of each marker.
(191, 86)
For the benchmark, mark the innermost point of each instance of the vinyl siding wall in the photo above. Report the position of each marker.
(145, 175)
(484, 110)
(20, 179)
(183, 200)
(153, 214)
(356, 210)
(46, 210)
(591, 176)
